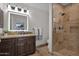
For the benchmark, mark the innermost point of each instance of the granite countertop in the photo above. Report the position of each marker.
(16, 36)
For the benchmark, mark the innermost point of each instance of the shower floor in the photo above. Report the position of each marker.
(65, 52)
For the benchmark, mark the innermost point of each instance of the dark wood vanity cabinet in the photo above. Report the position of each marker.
(21, 46)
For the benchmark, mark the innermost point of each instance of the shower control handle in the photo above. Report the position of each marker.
(60, 28)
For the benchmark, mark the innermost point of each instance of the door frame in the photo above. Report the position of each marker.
(50, 41)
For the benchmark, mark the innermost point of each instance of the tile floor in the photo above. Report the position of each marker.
(65, 52)
(41, 51)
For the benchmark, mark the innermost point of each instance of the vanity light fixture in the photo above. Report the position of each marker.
(25, 11)
(17, 9)
(19, 12)
(12, 7)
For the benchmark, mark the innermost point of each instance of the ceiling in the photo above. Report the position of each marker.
(41, 6)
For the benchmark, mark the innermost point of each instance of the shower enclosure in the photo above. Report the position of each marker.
(66, 29)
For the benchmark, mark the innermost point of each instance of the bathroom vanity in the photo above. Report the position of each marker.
(17, 45)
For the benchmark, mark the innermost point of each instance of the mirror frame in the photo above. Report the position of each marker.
(15, 13)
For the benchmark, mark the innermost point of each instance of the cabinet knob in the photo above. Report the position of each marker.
(60, 28)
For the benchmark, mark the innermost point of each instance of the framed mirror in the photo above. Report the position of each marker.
(17, 22)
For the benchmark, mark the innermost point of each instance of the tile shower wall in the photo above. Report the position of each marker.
(57, 23)
(66, 27)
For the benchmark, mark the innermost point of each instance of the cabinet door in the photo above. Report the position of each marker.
(4, 47)
(30, 45)
(13, 50)
(20, 46)
(8, 47)
(26, 45)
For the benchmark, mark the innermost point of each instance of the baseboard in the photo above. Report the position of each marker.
(42, 45)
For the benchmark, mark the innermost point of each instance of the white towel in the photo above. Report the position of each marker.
(40, 31)
(36, 30)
